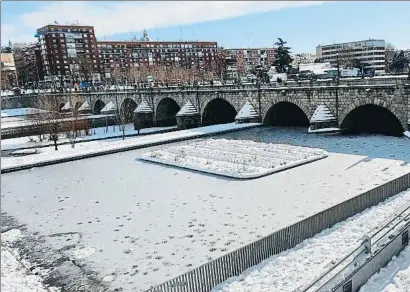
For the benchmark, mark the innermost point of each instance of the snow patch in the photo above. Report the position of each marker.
(143, 107)
(24, 152)
(247, 111)
(66, 107)
(11, 236)
(110, 106)
(407, 134)
(235, 158)
(14, 112)
(188, 110)
(14, 276)
(109, 278)
(324, 130)
(83, 253)
(395, 277)
(322, 114)
(84, 107)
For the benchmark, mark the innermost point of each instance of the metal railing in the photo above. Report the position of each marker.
(343, 269)
(209, 275)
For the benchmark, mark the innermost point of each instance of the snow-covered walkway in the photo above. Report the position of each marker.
(100, 133)
(48, 154)
(297, 267)
(395, 277)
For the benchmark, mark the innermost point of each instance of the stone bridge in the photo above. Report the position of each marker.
(377, 102)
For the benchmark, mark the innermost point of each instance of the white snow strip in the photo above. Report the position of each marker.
(110, 106)
(293, 269)
(395, 277)
(66, 107)
(96, 133)
(143, 107)
(322, 114)
(81, 149)
(235, 158)
(247, 111)
(20, 122)
(324, 130)
(84, 107)
(188, 109)
(19, 111)
(407, 134)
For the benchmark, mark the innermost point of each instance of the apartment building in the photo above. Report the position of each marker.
(249, 58)
(371, 53)
(303, 58)
(28, 63)
(8, 69)
(145, 52)
(66, 48)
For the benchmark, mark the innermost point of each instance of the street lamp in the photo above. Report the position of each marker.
(337, 86)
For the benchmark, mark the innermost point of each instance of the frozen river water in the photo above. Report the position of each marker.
(139, 224)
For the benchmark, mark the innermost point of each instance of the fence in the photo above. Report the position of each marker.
(207, 276)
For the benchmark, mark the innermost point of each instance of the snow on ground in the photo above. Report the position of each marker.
(395, 277)
(247, 112)
(235, 158)
(101, 132)
(149, 223)
(15, 277)
(19, 111)
(294, 269)
(323, 130)
(65, 151)
(21, 121)
(407, 134)
(322, 114)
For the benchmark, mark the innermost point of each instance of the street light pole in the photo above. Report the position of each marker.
(337, 87)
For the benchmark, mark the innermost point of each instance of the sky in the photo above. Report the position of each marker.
(233, 24)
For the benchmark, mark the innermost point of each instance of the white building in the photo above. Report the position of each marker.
(372, 53)
(304, 58)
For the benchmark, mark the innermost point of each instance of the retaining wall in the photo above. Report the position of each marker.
(209, 275)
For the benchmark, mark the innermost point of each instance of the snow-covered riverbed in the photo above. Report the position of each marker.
(148, 223)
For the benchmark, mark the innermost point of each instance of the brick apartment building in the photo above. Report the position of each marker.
(145, 52)
(27, 58)
(65, 48)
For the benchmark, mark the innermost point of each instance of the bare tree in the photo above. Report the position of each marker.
(49, 119)
(85, 67)
(122, 115)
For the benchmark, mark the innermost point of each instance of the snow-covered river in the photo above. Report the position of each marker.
(141, 223)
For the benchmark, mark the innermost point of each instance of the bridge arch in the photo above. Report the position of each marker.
(286, 113)
(166, 111)
(372, 118)
(77, 105)
(60, 106)
(98, 106)
(218, 111)
(127, 109)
